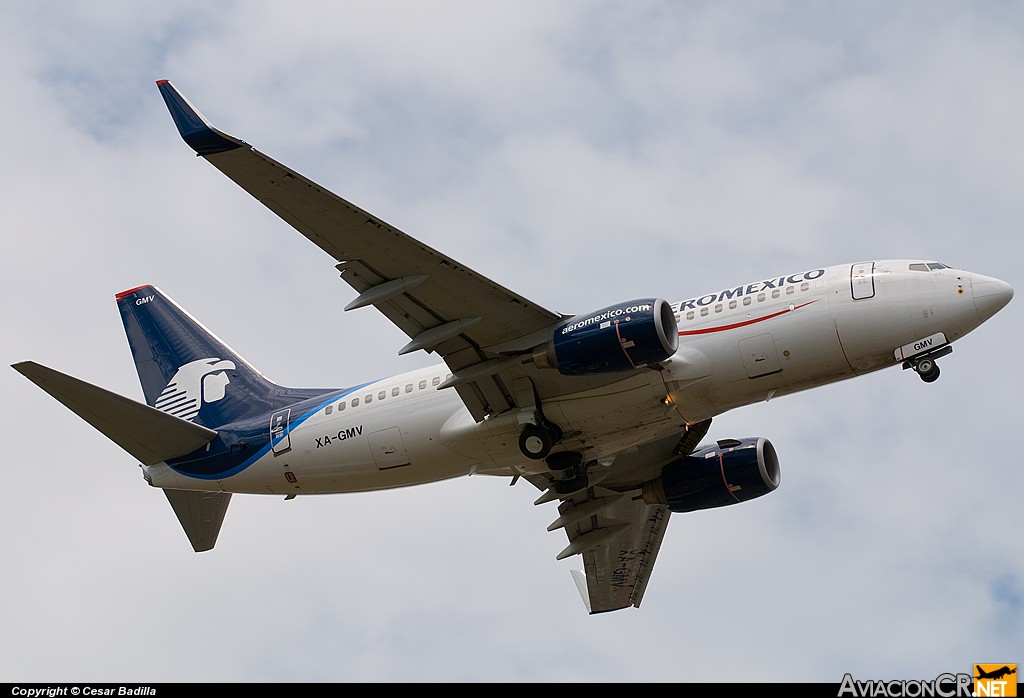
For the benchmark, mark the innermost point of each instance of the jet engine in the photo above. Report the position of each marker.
(621, 337)
(728, 472)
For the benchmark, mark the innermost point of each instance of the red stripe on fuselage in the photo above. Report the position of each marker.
(722, 328)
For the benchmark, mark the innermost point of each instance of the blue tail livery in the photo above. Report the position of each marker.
(185, 370)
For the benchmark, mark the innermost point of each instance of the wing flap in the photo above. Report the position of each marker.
(145, 432)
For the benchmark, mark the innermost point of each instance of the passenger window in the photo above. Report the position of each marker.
(775, 293)
(804, 286)
(703, 312)
(689, 315)
(789, 290)
(423, 384)
(328, 409)
(368, 399)
(760, 297)
(382, 394)
(436, 381)
(355, 402)
(341, 406)
(718, 307)
(746, 300)
(732, 305)
(394, 391)
(408, 387)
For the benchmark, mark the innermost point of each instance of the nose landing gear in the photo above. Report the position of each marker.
(927, 369)
(926, 366)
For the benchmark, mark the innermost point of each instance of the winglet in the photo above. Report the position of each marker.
(193, 126)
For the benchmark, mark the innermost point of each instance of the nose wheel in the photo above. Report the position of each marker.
(926, 366)
(927, 369)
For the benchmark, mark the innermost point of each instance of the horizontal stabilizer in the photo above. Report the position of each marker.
(200, 514)
(145, 432)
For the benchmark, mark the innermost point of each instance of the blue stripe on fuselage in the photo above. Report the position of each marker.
(226, 462)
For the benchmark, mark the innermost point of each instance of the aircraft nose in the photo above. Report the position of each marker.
(990, 295)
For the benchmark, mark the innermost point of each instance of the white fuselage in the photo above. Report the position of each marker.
(737, 346)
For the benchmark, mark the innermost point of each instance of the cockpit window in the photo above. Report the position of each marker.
(930, 266)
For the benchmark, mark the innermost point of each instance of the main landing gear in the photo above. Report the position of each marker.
(569, 473)
(536, 440)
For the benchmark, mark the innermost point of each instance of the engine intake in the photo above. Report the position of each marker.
(621, 337)
(729, 472)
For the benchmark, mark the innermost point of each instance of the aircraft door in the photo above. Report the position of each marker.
(280, 437)
(862, 281)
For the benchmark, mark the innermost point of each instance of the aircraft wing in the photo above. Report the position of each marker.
(619, 536)
(484, 332)
(440, 304)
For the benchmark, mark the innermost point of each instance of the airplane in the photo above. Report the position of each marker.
(997, 673)
(604, 412)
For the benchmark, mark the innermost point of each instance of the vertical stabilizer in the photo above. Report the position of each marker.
(185, 370)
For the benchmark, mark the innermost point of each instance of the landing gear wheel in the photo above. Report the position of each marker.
(928, 370)
(535, 442)
(563, 461)
(573, 484)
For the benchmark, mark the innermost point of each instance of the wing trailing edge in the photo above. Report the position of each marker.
(145, 432)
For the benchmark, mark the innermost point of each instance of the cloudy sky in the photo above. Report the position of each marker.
(580, 153)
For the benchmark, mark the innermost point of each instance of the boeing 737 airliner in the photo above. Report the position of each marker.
(604, 412)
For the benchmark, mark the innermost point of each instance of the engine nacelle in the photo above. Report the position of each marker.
(621, 337)
(729, 472)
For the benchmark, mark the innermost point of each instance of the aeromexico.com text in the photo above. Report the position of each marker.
(609, 314)
(749, 289)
